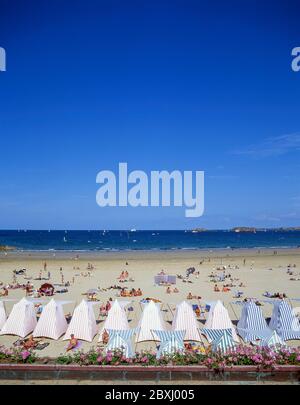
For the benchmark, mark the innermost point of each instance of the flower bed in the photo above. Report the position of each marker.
(241, 356)
(261, 358)
(16, 355)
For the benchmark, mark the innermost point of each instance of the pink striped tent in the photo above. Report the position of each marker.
(83, 323)
(116, 318)
(22, 319)
(218, 318)
(151, 320)
(3, 316)
(52, 323)
(185, 320)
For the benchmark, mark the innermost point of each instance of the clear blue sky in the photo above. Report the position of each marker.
(187, 85)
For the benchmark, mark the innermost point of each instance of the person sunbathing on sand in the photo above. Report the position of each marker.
(176, 290)
(73, 343)
(216, 288)
(105, 337)
(4, 293)
(168, 291)
(30, 343)
(189, 296)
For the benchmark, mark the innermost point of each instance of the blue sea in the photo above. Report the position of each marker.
(146, 240)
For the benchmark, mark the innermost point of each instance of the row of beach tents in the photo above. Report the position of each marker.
(218, 329)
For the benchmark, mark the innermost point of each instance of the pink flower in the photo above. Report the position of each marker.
(25, 354)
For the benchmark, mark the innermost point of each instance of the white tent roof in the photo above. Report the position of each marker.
(22, 319)
(116, 318)
(83, 323)
(185, 319)
(151, 319)
(218, 318)
(52, 323)
(3, 316)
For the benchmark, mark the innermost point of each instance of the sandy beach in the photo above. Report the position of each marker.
(259, 271)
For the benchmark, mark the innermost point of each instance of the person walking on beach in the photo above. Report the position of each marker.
(45, 266)
(49, 275)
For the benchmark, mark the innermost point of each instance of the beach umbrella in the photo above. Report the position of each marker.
(190, 270)
(185, 319)
(121, 340)
(170, 342)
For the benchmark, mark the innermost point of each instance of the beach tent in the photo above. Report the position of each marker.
(150, 320)
(218, 318)
(284, 321)
(222, 340)
(121, 340)
(272, 340)
(170, 342)
(52, 323)
(185, 319)
(83, 323)
(252, 324)
(3, 316)
(116, 318)
(22, 319)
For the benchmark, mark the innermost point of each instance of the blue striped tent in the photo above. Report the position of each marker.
(170, 342)
(284, 321)
(224, 342)
(121, 340)
(252, 324)
(273, 340)
(222, 339)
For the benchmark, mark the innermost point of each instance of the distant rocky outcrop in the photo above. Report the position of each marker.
(244, 229)
(197, 230)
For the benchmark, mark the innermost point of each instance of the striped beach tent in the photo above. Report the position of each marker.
(52, 323)
(221, 341)
(151, 319)
(3, 316)
(272, 340)
(252, 324)
(170, 342)
(218, 318)
(83, 323)
(21, 320)
(116, 318)
(284, 321)
(185, 319)
(121, 340)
